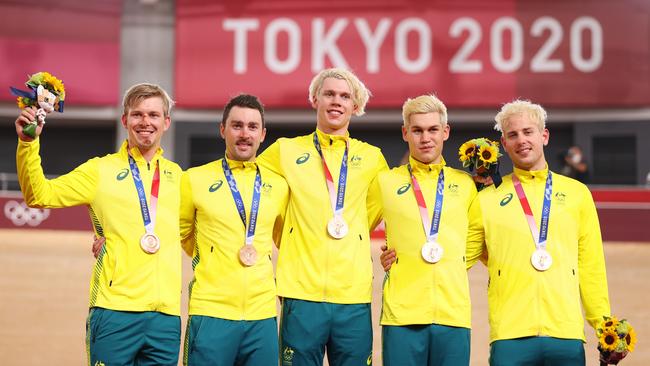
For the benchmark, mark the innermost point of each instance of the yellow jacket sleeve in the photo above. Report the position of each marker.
(591, 264)
(279, 221)
(75, 188)
(475, 249)
(187, 215)
(374, 203)
(270, 159)
(373, 200)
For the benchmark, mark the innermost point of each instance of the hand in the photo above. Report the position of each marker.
(486, 181)
(27, 116)
(387, 257)
(98, 244)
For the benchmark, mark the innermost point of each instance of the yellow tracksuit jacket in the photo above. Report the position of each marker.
(417, 292)
(523, 301)
(125, 278)
(313, 266)
(213, 233)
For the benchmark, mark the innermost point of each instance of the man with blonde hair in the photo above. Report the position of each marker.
(426, 312)
(540, 233)
(324, 270)
(134, 305)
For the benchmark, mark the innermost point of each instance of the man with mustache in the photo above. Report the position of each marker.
(133, 198)
(232, 212)
(324, 271)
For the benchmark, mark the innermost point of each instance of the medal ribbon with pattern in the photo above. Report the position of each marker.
(432, 233)
(540, 243)
(239, 202)
(338, 199)
(148, 212)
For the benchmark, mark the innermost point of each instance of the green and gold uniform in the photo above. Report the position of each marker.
(232, 306)
(525, 302)
(125, 278)
(315, 269)
(421, 300)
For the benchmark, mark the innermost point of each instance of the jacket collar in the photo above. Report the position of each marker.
(420, 167)
(327, 140)
(531, 175)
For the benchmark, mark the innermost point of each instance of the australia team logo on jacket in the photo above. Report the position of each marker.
(266, 188)
(355, 161)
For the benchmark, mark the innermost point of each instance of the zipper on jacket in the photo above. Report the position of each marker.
(158, 270)
(243, 300)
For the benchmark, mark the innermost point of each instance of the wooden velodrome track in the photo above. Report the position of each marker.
(44, 289)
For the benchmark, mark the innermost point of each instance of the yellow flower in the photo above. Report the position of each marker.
(55, 84)
(630, 339)
(467, 150)
(610, 323)
(608, 340)
(20, 102)
(488, 154)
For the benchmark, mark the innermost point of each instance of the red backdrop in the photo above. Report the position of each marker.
(78, 43)
(569, 53)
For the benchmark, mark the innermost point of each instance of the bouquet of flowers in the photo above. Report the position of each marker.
(615, 339)
(46, 92)
(481, 155)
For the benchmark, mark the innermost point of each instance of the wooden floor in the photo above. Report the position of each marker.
(44, 278)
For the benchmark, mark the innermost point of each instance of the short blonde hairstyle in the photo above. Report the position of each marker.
(520, 107)
(424, 104)
(139, 92)
(360, 94)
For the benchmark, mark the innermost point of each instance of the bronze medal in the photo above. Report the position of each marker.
(248, 255)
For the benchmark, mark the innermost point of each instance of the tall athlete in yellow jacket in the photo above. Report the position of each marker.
(133, 198)
(231, 213)
(426, 308)
(324, 272)
(541, 234)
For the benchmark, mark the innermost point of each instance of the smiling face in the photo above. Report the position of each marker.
(145, 123)
(334, 106)
(425, 136)
(243, 132)
(524, 142)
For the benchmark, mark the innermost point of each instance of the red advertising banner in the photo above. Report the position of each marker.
(472, 54)
(78, 43)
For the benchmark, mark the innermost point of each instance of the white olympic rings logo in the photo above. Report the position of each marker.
(20, 214)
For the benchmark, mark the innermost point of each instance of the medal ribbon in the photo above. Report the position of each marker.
(148, 212)
(432, 233)
(239, 202)
(336, 200)
(540, 243)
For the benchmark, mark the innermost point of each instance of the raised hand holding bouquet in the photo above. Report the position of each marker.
(482, 156)
(46, 92)
(615, 339)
